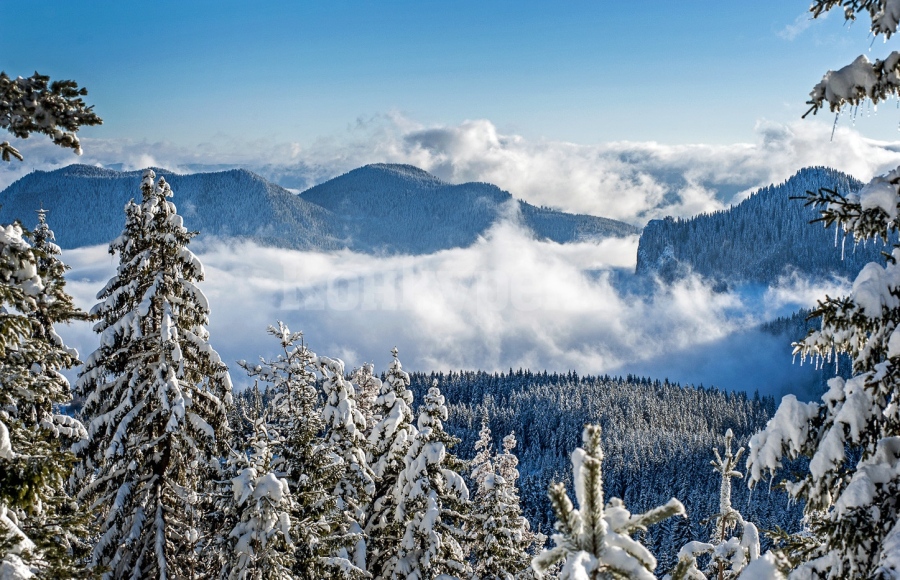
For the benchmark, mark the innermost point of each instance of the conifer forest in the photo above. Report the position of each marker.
(652, 387)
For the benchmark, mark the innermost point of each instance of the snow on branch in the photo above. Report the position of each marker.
(35, 105)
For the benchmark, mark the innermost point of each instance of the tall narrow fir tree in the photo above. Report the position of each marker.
(42, 530)
(155, 399)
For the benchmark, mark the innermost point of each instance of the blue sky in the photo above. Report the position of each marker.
(582, 71)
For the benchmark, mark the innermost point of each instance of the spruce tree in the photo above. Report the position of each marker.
(501, 535)
(345, 429)
(41, 527)
(260, 544)
(368, 386)
(851, 490)
(852, 437)
(390, 438)
(309, 463)
(432, 501)
(155, 399)
(729, 555)
(594, 541)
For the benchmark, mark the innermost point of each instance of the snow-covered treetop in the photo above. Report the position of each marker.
(483, 465)
(434, 410)
(392, 430)
(507, 461)
(728, 516)
(288, 372)
(35, 105)
(43, 237)
(594, 541)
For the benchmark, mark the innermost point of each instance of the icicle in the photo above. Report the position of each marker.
(843, 244)
(834, 127)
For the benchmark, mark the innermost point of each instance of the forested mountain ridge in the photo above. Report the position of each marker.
(401, 206)
(763, 237)
(385, 209)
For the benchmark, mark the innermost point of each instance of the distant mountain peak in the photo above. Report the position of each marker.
(401, 173)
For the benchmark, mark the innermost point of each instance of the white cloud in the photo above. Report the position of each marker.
(507, 301)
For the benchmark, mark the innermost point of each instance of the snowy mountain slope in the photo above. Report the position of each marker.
(758, 240)
(400, 208)
(381, 209)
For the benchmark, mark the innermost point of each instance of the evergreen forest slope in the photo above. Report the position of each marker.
(766, 236)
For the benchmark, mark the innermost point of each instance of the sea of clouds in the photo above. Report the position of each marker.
(508, 301)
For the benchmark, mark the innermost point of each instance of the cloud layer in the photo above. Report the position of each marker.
(508, 301)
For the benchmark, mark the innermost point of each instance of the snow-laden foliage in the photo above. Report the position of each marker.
(594, 541)
(391, 435)
(729, 556)
(501, 536)
(851, 437)
(155, 398)
(309, 463)
(35, 105)
(861, 79)
(260, 542)
(432, 502)
(345, 431)
(41, 528)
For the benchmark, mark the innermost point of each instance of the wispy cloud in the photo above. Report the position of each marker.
(799, 26)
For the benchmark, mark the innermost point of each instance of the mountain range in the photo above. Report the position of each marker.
(400, 209)
(381, 209)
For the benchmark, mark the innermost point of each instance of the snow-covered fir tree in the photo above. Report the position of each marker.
(36, 105)
(41, 528)
(368, 386)
(852, 436)
(345, 428)
(260, 544)
(308, 462)
(501, 536)
(594, 541)
(432, 502)
(155, 398)
(389, 439)
(729, 556)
